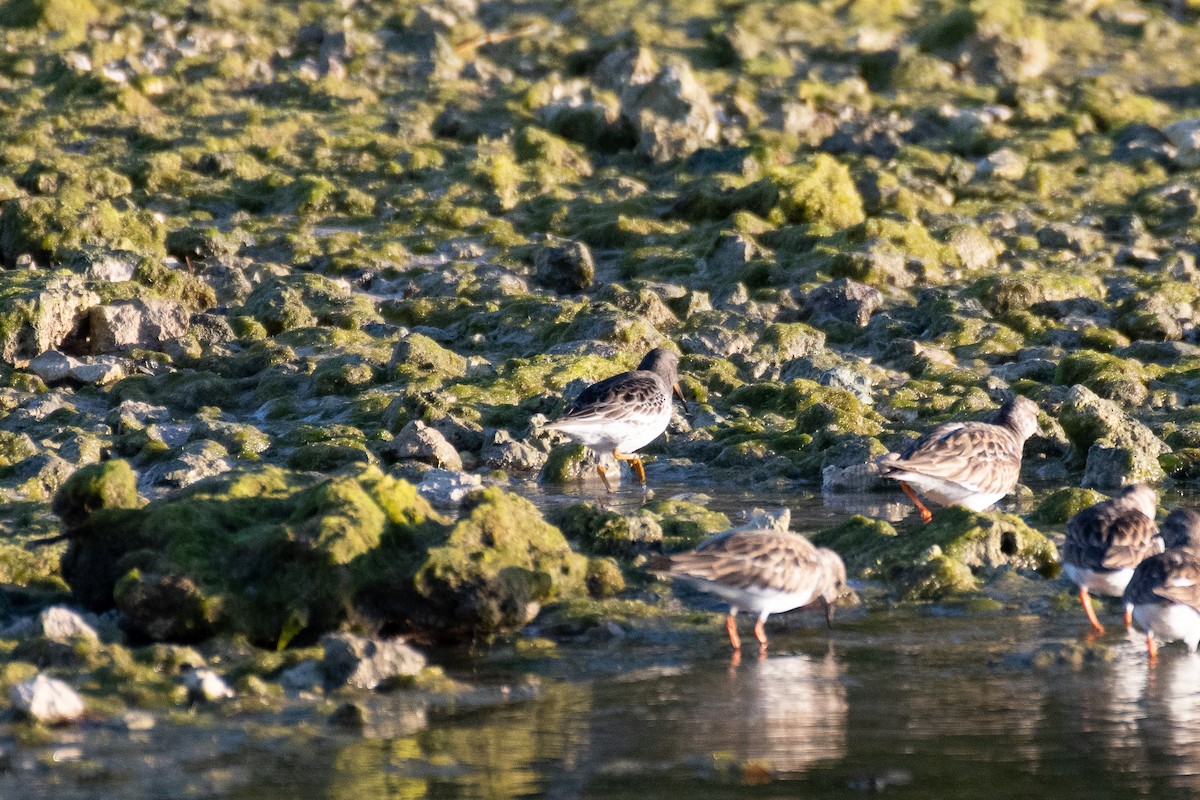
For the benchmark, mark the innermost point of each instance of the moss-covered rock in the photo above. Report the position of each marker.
(943, 558)
(107, 485)
(818, 191)
(496, 567)
(684, 523)
(1060, 506)
(417, 356)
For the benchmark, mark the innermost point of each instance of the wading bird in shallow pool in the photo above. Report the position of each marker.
(1105, 542)
(763, 571)
(969, 464)
(626, 412)
(1164, 591)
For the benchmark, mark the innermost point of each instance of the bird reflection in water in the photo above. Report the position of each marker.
(787, 711)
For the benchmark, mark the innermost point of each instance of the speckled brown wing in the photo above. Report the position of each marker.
(979, 455)
(1170, 577)
(782, 562)
(1110, 536)
(639, 393)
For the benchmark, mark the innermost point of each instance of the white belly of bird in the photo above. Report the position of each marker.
(626, 435)
(1169, 623)
(1111, 583)
(949, 493)
(756, 600)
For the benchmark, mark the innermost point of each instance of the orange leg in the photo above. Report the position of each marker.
(926, 515)
(1086, 599)
(731, 629)
(1151, 648)
(635, 463)
(1128, 618)
(761, 634)
(603, 477)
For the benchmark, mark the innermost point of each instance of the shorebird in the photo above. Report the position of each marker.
(763, 571)
(970, 464)
(626, 412)
(1164, 591)
(1105, 542)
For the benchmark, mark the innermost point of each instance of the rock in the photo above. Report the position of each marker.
(197, 461)
(109, 484)
(502, 451)
(307, 676)
(854, 479)
(61, 624)
(99, 370)
(672, 114)
(1005, 163)
(104, 264)
(148, 324)
(1185, 136)
(443, 488)
(419, 355)
(564, 266)
(42, 315)
(351, 716)
(624, 68)
(730, 255)
(368, 663)
(842, 300)
(1118, 449)
(499, 564)
(52, 366)
(419, 442)
(1063, 236)
(779, 519)
(47, 700)
(205, 686)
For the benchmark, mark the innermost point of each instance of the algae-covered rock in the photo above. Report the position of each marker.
(819, 190)
(109, 484)
(1060, 506)
(496, 567)
(935, 561)
(266, 553)
(417, 355)
(684, 523)
(1117, 449)
(672, 114)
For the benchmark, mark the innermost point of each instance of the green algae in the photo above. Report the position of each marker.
(943, 558)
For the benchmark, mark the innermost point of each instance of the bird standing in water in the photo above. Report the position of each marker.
(1164, 591)
(626, 412)
(969, 464)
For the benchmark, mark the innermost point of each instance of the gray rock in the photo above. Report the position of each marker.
(624, 68)
(730, 254)
(1119, 450)
(196, 461)
(52, 366)
(47, 700)
(1185, 136)
(842, 300)
(367, 663)
(55, 312)
(61, 624)
(307, 676)
(205, 686)
(143, 323)
(99, 371)
(502, 451)
(672, 114)
(419, 442)
(778, 519)
(854, 382)
(1063, 236)
(856, 478)
(103, 264)
(564, 266)
(447, 489)
(1004, 163)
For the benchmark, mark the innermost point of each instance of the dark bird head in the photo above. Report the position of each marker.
(1141, 497)
(665, 364)
(1020, 414)
(1181, 528)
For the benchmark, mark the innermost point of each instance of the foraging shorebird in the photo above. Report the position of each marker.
(970, 464)
(763, 571)
(1164, 591)
(626, 412)
(1105, 542)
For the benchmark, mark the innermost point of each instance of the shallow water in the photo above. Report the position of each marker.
(918, 702)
